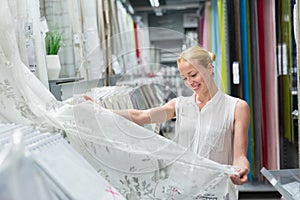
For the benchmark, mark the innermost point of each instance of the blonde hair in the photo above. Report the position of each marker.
(202, 56)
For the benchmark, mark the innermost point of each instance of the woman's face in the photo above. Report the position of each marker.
(194, 78)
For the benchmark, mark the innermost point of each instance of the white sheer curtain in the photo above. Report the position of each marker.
(24, 99)
(137, 162)
(93, 60)
(26, 15)
(126, 35)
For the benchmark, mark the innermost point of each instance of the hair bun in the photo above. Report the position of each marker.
(212, 56)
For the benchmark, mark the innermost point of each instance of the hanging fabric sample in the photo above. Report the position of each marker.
(222, 9)
(216, 49)
(30, 41)
(207, 29)
(233, 61)
(113, 97)
(93, 52)
(245, 64)
(22, 100)
(72, 53)
(117, 60)
(271, 85)
(120, 38)
(143, 96)
(261, 38)
(144, 46)
(256, 92)
(126, 35)
(284, 63)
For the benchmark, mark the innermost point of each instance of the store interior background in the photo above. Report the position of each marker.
(178, 15)
(173, 26)
(107, 43)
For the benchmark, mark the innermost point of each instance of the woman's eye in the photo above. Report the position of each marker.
(193, 75)
(184, 79)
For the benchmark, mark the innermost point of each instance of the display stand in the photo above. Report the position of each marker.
(285, 181)
(55, 85)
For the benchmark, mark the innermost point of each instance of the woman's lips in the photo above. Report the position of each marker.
(195, 87)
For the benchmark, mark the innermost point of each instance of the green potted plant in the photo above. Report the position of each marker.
(53, 41)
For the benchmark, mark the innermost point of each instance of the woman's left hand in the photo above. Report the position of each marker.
(241, 177)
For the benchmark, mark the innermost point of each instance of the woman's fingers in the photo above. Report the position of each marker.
(236, 179)
(241, 177)
(87, 98)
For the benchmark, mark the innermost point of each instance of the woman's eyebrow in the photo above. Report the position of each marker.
(190, 72)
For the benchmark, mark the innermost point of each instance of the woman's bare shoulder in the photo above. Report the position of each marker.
(242, 109)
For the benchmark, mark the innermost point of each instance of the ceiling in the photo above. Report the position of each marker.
(166, 6)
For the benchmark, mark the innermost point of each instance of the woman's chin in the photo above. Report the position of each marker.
(196, 90)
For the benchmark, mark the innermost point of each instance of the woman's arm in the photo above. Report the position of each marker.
(153, 115)
(240, 142)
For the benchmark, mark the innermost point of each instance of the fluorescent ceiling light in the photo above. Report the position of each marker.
(154, 3)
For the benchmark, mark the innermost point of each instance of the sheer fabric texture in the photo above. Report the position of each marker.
(208, 132)
(137, 162)
(33, 166)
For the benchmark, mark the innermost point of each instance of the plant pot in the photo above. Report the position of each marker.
(53, 66)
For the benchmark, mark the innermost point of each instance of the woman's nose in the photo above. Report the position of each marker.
(189, 80)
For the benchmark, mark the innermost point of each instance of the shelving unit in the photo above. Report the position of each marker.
(64, 88)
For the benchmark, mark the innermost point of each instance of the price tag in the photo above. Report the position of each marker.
(235, 73)
(28, 26)
(273, 181)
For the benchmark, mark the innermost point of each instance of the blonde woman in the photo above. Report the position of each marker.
(209, 123)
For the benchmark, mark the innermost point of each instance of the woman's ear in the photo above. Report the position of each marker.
(211, 69)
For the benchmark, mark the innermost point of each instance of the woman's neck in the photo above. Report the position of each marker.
(206, 96)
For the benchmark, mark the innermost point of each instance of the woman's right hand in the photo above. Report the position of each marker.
(241, 177)
(87, 98)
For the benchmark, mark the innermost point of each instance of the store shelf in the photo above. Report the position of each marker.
(64, 88)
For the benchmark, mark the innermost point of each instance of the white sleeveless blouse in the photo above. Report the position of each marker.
(208, 132)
